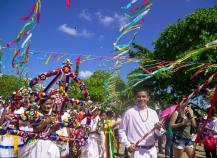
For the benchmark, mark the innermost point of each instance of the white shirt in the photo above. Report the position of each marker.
(93, 126)
(135, 124)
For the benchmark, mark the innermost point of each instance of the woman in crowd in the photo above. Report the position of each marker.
(181, 122)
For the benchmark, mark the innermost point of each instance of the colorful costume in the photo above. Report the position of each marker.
(36, 148)
(91, 149)
(10, 145)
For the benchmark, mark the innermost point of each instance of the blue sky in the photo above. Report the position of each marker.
(88, 27)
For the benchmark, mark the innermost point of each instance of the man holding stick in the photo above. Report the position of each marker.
(140, 127)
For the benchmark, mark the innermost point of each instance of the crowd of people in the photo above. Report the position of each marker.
(138, 130)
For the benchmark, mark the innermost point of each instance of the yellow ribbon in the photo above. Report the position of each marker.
(16, 138)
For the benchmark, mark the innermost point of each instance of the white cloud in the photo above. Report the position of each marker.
(74, 32)
(85, 14)
(104, 19)
(85, 74)
(121, 19)
(107, 20)
(68, 30)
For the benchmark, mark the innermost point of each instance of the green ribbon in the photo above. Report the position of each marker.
(110, 145)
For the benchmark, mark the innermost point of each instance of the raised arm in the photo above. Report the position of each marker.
(173, 119)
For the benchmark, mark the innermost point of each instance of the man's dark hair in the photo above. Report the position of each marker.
(141, 90)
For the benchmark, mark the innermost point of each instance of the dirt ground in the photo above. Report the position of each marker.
(199, 152)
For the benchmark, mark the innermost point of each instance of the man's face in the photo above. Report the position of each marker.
(47, 106)
(142, 98)
(103, 116)
(95, 113)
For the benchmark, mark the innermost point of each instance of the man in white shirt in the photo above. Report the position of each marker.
(91, 149)
(137, 122)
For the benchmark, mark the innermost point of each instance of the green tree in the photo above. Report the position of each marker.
(8, 84)
(116, 99)
(95, 86)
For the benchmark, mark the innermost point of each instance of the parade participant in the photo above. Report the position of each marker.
(91, 149)
(108, 145)
(210, 141)
(158, 109)
(181, 122)
(42, 148)
(116, 125)
(137, 122)
(10, 145)
(169, 140)
(64, 131)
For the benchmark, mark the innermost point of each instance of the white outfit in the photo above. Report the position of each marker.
(63, 146)
(135, 124)
(39, 148)
(91, 149)
(7, 141)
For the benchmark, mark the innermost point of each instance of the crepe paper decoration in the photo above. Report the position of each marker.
(52, 137)
(26, 56)
(131, 28)
(25, 35)
(85, 59)
(30, 14)
(122, 53)
(48, 59)
(124, 47)
(201, 86)
(16, 52)
(60, 57)
(200, 70)
(143, 69)
(10, 43)
(135, 20)
(190, 54)
(78, 60)
(109, 143)
(173, 66)
(26, 27)
(211, 43)
(26, 40)
(64, 71)
(138, 10)
(67, 3)
(129, 4)
(181, 66)
(138, 14)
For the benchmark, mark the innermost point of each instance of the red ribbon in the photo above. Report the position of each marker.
(67, 3)
(30, 14)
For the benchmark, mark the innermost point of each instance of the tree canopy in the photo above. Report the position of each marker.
(8, 84)
(95, 86)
